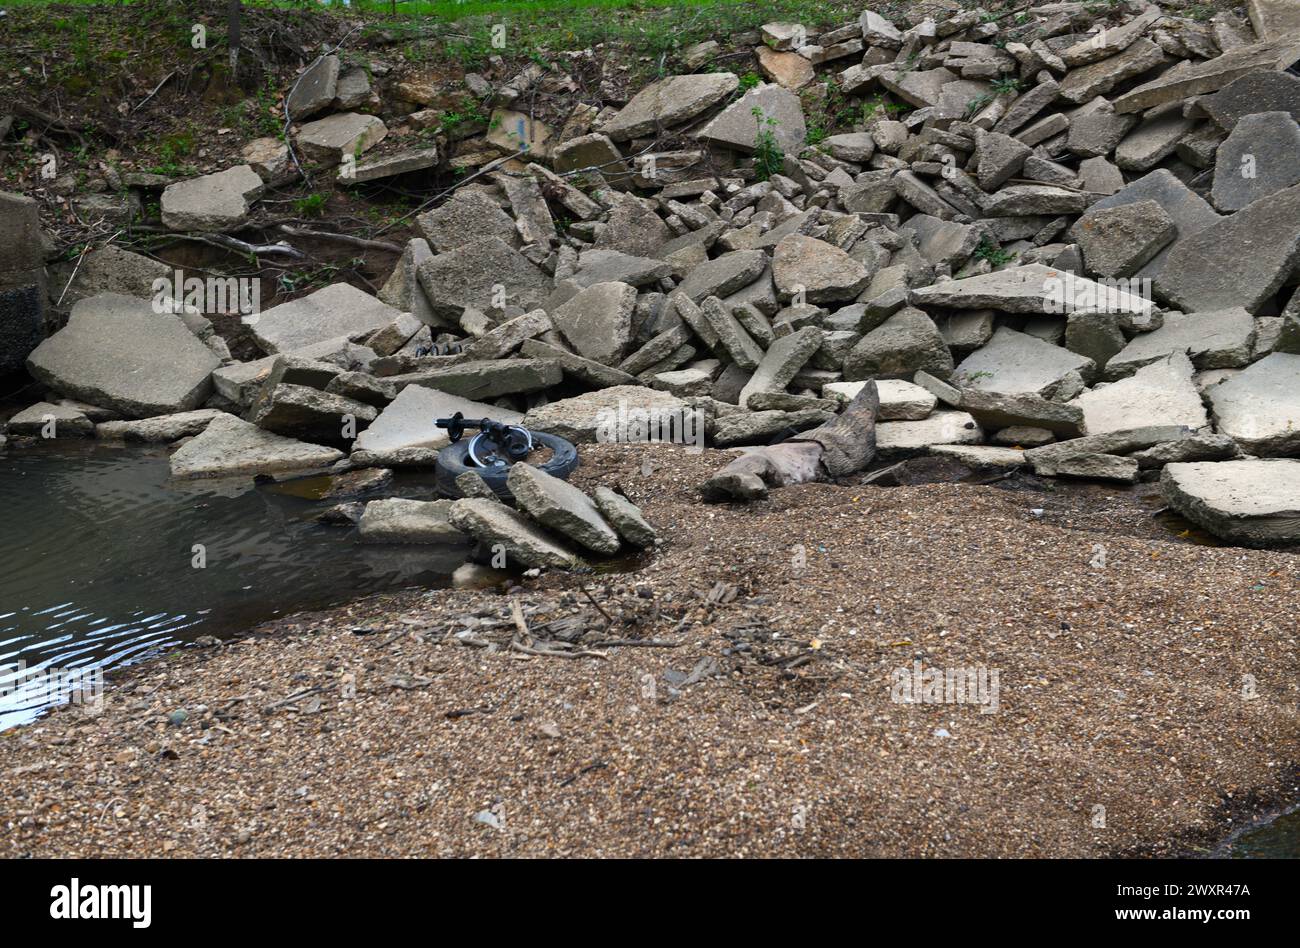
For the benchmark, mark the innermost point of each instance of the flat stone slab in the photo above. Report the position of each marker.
(1208, 75)
(782, 362)
(231, 446)
(1252, 502)
(162, 429)
(993, 411)
(1033, 288)
(405, 162)
(1161, 393)
(624, 413)
(822, 272)
(899, 400)
(342, 134)
(1241, 260)
(470, 275)
(521, 539)
(1015, 363)
(405, 430)
(896, 438)
(670, 102)
(598, 321)
(45, 419)
(336, 310)
(481, 380)
(625, 517)
(1260, 157)
(561, 507)
(398, 520)
(467, 216)
(1259, 407)
(980, 457)
(736, 127)
(1190, 212)
(1214, 340)
(118, 353)
(215, 202)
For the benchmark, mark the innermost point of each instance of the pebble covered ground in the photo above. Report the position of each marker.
(1147, 696)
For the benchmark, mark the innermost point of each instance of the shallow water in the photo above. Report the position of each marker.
(98, 560)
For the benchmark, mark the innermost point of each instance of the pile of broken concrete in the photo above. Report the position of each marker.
(1057, 239)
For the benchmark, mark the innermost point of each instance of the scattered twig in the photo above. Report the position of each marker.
(339, 238)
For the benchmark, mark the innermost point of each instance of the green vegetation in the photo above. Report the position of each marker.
(748, 81)
(768, 156)
(313, 205)
(995, 255)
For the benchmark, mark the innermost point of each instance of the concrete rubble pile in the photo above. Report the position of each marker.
(1066, 240)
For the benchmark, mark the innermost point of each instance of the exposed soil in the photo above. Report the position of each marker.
(1125, 683)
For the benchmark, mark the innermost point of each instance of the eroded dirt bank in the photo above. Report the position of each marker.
(1122, 685)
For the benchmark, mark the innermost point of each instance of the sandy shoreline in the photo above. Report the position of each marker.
(1122, 685)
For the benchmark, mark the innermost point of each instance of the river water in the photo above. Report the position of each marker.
(98, 563)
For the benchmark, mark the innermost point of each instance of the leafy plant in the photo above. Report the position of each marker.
(313, 205)
(768, 156)
(995, 255)
(749, 80)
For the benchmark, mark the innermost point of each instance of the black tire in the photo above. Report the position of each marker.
(452, 463)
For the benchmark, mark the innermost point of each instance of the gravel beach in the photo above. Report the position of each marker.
(1146, 697)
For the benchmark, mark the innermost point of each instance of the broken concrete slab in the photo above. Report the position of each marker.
(905, 343)
(598, 321)
(478, 275)
(736, 127)
(1161, 393)
(479, 379)
(389, 166)
(398, 520)
(1014, 363)
(1085, 83)
(230, 446)
(466, 217)
(1259, 158)
(904, 438)
(782, 362)
(214, 202)
(1254, 92)
(1251, 502)
(1032, 288)
(724, 275)
(1190, 212)
(336, 310)
(1209, 75)
(1259, 408)
(314, 89)
(816, 271)
(1118, 241)
(522, 540)
(117, 352)
(161, 429)
(1096, 467)
(994, 411)
(1214, 340)
(341, 136)
(309, 414)
(404, 432)
(625, 517)
(561, 507)
(624, 413)
(670, 102)
(1265, 237)
(48, 420)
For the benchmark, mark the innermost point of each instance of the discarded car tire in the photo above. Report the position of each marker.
(452, 462)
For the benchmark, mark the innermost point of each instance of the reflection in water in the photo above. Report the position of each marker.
(98, 553)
